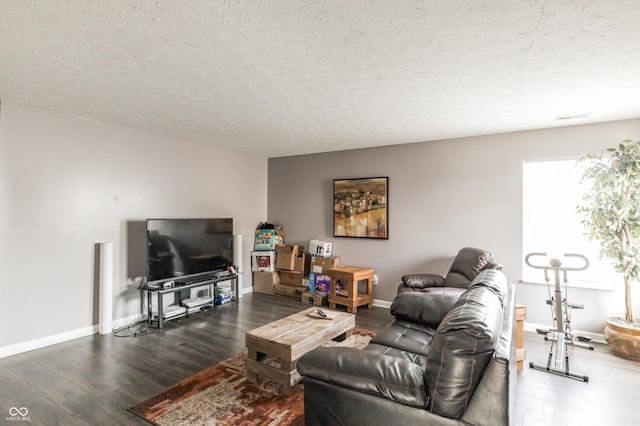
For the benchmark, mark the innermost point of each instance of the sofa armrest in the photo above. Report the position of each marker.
(422, 280)
(372, 373)
(493, 265)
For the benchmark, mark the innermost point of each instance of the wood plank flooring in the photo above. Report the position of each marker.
(92, 380)
(609, 398)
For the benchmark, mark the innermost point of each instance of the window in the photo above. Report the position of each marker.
(551, 191)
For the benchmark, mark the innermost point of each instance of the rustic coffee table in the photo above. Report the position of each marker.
(289, 338)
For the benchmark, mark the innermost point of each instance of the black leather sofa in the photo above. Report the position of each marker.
(444, 360)
(467, 264)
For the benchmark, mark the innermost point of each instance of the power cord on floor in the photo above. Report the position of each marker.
(135, 328)
(139, 325)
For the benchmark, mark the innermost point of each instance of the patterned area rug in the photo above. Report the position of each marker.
(222, 395)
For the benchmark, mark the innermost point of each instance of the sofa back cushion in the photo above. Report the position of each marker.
(427, 309)
(464, 344)
(466, 266)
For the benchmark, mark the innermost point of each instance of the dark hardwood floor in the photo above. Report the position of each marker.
(92, 380)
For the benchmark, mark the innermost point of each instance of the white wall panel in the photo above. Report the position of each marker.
(67, 183)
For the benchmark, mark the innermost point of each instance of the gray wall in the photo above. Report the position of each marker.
(68, 183)
(443, 195)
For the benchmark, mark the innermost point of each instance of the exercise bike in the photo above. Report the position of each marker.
(560, 334)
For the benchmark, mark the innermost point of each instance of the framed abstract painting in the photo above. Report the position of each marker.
(361, 208)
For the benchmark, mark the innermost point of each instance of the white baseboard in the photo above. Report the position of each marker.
(381, 303)
(595, 337)
(43, 342)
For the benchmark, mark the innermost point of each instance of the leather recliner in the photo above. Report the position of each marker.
(468, 263)
(443, 361)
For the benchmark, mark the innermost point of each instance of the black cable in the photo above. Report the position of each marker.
(138, 326)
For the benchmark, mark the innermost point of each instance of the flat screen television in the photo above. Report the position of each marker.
(187, 249)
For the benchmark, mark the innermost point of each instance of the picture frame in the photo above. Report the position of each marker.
(361, 208)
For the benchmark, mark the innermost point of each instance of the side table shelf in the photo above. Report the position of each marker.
(211, 282)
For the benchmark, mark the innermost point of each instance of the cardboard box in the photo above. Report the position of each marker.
(287, 256)
(268, 239)
(320, 248)
(302, 264)
(264, 282)
(320, 265)
(292, 258)
(293, 291)
(319, 283)
(295, 278)
(263, 261)
(315, 299)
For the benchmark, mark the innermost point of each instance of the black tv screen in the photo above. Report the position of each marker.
(188, 248)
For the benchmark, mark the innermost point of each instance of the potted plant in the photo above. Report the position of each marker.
(611, 216)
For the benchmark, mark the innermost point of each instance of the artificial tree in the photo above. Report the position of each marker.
(611, 210)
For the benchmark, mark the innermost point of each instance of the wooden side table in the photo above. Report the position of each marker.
(344, 287)
(521, 315)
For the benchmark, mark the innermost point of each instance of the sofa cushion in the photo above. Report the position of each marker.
(422, 280)
(402, 339)
(423, 308)
(467, 265)
(375, 374)
(464, 343)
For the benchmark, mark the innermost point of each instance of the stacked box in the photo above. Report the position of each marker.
(292, 258)
(268, 239)
(320, 248)
(263, 261)
(315, 299)
(264, 282)
(292, 291)
(292, 264)
(294, 278)
(321, 265)
(319, 283)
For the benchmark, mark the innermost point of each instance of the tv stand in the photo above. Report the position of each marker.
(211, 281)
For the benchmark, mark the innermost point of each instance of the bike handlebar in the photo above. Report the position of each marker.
(556, 264)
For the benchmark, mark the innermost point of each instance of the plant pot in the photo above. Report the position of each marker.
(623, 340)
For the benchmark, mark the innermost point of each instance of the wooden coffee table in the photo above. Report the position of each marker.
(289, 338)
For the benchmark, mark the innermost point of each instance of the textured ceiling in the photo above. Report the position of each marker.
(286, 77)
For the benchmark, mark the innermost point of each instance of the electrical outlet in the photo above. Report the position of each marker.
(375, 279)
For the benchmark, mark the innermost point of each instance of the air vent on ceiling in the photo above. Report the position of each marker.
(572, 116)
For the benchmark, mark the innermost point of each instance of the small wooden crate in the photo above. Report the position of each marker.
(348, 294)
